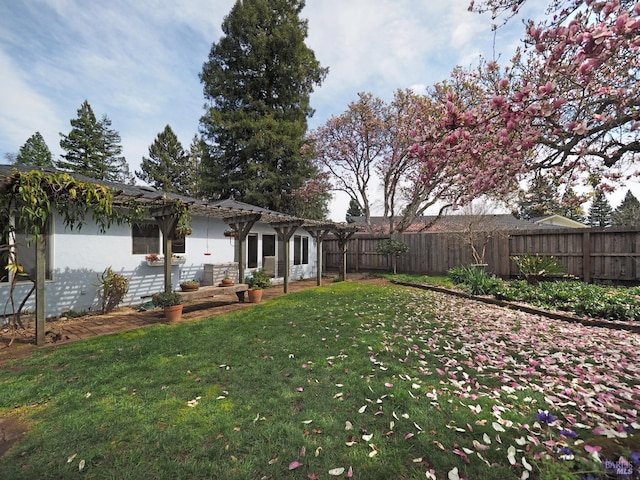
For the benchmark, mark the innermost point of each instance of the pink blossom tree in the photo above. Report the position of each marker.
(573, 87)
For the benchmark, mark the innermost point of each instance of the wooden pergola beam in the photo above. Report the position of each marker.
(319, 234)
(285, 231)
(242, 225)
(344, 234)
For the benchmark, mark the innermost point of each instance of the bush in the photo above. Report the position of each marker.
(534, 268)
(113, 287)
(576, 297)
(166, 299)
(392, 247)
(476, 280)
(259, 279)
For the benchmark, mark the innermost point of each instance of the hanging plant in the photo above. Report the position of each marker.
(183, 225)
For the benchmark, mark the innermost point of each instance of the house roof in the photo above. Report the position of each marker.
(157, 198)
(558, 220)
(457, 223)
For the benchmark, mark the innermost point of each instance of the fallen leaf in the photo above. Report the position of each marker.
(453, 474)
(336, 471)
(295, 464)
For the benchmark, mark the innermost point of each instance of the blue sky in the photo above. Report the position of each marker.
(138, 61)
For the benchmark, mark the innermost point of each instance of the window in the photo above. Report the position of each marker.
(268, 245)
(252, 251)
(178, 243)
(146, 238)
(25, 248)
(300, 250)
(305, 250)
(297, 242)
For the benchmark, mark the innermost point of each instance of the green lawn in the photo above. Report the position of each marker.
(368, 381)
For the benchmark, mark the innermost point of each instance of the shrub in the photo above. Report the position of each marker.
(259, 279)
(166, 299)
(392, 247)
(113, 287)
(534, 268)
(579, 298)
(476, 280)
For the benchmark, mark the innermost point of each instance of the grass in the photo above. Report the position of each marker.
(384, 381)
(435, 280)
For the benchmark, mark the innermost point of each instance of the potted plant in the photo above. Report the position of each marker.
(171, 302)
(227, 281)
(154, 259)
(190, 285)
(257, 281)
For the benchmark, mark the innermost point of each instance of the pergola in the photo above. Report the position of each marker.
(240, 217)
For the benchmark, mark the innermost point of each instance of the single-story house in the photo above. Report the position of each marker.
(76, 258)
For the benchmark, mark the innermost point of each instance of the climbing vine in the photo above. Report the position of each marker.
(31, 197)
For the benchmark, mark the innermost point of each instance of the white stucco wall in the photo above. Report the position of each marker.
(79, 257)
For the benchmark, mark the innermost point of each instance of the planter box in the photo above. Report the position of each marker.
(160, 262)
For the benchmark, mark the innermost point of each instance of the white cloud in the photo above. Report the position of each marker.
(138, 62)
(24, 110)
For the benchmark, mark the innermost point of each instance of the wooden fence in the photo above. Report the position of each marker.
(592, 254)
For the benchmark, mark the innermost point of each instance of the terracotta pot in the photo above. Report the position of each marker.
(173, 313)
(255, 296)
(226, 282)
(189, 288)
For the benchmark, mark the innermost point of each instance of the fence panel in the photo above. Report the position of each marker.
(593, 254)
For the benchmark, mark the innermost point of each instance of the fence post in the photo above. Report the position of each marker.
(586, 257)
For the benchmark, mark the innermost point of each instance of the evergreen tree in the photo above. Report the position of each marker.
(354, 210)
(628, 212)
(571, 205)
(540, 200)
(600, 211)
(167, 167)
(257, 81)
(198, 151)
(93, 148)
(35, 153)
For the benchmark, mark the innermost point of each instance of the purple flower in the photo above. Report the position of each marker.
(566, 451)
(635, 458)
(569, 433)
(546, 417)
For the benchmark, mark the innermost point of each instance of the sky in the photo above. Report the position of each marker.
(137, 62)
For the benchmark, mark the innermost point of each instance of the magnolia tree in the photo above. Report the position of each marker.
(571, 93)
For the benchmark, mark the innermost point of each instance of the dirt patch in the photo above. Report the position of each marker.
(11, 430)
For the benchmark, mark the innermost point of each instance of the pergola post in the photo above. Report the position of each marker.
(285, 231)
(344, 234)
(167, 223)
(319, 234)
(41, 269)
(242, 225)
